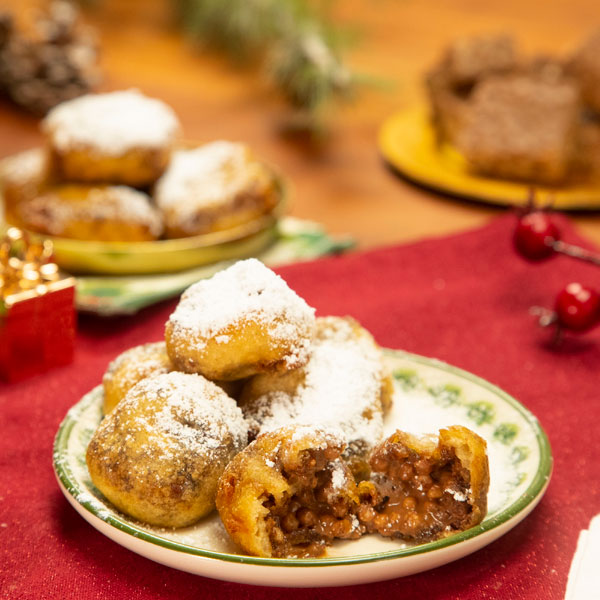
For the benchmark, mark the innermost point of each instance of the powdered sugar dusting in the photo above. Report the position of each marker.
(140, 360)
(112, 123)
(24, 167)
(204, 178)
(116, 202)
(458, 495)
(189, 415)
(341, 389)
(339, 479)
(246, 291)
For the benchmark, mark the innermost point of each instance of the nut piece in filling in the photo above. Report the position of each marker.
(159, 454)
(422, 489)
(344, 385)
(132, 366)
(244, 320)
(214, 187)
(288, 494)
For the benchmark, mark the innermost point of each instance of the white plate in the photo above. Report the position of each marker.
(429, 395)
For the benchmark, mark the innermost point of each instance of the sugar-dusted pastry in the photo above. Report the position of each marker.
(244, 320)
(118, 137)
(288, 494)
(91, 212)
(521, 127)
(159, 454)
(21, 177)
(344, 385)
(214, 187)
(423, 488)
(132, 366)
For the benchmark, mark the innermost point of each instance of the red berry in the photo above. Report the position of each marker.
(534, 231)
(577, 307)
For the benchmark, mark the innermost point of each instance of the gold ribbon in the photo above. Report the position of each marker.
(26, 266)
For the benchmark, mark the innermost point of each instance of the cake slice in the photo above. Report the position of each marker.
(521, 127)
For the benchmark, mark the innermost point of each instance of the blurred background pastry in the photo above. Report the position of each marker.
(214, 187)
(118, 137)
(91, 212)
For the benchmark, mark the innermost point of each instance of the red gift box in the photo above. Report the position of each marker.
(37, 309)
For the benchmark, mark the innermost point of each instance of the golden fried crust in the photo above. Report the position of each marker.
(132, 366)
(260, 198)
(215, 187)
(159, 454)
(82, 212)
(288, 494)
(137, 167)
(424, 488)
(22, 177)
(119, 137)
(344, 384)
(250, 349)
(471, 450)
(242, 321)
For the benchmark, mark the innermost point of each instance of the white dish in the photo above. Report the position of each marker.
(429, 395)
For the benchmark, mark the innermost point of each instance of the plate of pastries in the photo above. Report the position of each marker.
(119, 192)
(262, 444)
(497, 122)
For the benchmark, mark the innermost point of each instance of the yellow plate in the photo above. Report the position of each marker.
(408, 143)
(164, 256)
(168, 256)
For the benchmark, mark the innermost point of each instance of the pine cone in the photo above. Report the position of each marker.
(52, 59)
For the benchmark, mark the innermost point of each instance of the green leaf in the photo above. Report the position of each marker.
(408, 379)
(481, 412)
(519, 454)
(445, 395)
(506, 432)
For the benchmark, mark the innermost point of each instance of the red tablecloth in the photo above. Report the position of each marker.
(462, 299)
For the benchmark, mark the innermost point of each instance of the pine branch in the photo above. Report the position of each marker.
(298, 46)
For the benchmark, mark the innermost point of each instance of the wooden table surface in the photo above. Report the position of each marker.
(344, 183)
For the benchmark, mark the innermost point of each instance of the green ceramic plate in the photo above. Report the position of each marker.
(429, 395)
(295, 240)
(167, 256)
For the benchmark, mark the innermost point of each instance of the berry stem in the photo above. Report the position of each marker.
(573, 251)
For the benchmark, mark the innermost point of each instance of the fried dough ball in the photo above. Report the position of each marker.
(244, 320)
(22, 176)
(132, 366)
(83, 212)
(214, 187)
(423, 489)
(118, 137)
(159, 454)
(288, 494)
(344, 385)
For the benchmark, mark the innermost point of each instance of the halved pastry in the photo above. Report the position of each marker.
(423, 488)
(344, 385)
(288, 494)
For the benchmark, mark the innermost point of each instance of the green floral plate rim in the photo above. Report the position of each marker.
(510, 429)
